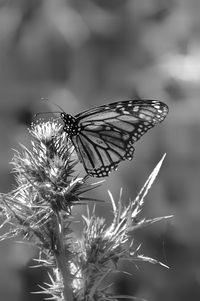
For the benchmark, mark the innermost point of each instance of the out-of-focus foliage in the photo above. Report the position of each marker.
(80, 54)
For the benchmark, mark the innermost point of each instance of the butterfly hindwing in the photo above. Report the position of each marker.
(100, 152)
(105, 135)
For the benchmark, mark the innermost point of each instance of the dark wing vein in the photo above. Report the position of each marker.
(84, 152)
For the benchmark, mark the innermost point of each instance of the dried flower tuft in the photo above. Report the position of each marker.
(102, 247)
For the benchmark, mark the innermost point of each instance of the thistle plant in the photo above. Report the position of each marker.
(40, 209)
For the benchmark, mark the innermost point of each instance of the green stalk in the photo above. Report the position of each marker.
(61, 259)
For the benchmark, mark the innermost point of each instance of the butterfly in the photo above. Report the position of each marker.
(104, 136)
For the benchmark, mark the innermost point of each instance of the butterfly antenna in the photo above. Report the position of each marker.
(46, 99)
(48, 112)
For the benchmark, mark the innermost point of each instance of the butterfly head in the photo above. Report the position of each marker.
(70, 124)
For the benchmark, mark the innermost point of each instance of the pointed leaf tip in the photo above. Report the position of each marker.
(112, 201)
(143, 192)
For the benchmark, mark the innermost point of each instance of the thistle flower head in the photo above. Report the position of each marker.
(45, 182)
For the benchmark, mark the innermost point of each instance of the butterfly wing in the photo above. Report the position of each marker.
(107, 133)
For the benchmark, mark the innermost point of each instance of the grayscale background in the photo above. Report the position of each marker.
(80, 54)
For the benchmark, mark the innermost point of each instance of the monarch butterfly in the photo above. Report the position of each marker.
(104, 136)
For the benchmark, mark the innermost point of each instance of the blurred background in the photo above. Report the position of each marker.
(80, 54)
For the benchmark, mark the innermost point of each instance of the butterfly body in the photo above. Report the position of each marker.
(104, 136)
(70, 125)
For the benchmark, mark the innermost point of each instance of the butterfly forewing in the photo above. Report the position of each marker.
(106, 134)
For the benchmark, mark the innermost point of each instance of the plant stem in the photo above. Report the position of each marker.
(61, 260)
